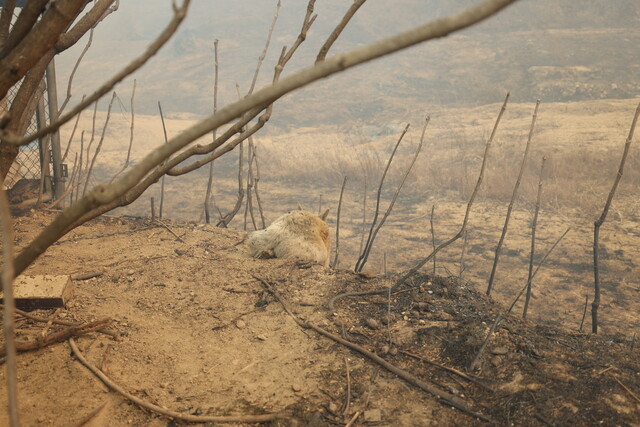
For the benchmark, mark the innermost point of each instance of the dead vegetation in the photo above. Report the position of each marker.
(200, 336)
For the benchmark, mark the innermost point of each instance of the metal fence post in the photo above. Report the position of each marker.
(52, 94)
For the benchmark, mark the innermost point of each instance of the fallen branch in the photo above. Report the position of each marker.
(445, 397)
(60, 322)
(169, 230)
(59, 336)
(448, 369)
(476, 360)
(166, 412)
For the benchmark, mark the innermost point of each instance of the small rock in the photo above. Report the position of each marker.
(385, 349)
(445, 316)
(261, 337)
(240, 324)
(422, 306)
(296, 387)
(131, 272)
(180, 251)
(372, 323)
(333, 408)
(373, 416)
(500, 351)
(393, 351)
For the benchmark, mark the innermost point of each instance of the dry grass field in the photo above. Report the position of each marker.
(582, 141)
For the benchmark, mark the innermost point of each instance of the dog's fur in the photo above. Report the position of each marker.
(298, 234)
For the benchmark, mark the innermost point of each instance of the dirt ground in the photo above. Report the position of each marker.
(198, 334)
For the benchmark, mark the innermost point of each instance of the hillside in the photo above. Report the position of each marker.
(536, 49)
(199, 335)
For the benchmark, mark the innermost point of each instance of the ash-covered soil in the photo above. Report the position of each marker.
(200, 335)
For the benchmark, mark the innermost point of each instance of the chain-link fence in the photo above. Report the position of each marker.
(27, 163)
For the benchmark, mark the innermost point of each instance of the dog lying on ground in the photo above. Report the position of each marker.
(299, 235)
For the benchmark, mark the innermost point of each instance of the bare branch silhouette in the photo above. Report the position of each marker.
(338, 30)
(152, 49)
(133, 116)
(166, 140)
(544, 258)
(97, 152)
(73, 73)
(337, 256)
(512, 201)
(129, 187)
(207, 196)
(596, 225)
(8, 311)
(420, 264)
(362, 256)
(534, 224)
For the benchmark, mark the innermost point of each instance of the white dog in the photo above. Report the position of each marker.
(298, 234)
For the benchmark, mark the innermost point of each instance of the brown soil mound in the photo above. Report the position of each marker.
(200, 335)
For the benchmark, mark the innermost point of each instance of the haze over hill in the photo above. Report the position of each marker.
(537, 49)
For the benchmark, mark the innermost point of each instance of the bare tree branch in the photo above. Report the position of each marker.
(133, 116)
(73, 73)
(152, 49)
(338, 30)
(596, 225)
(106, 197)
(420, 264)
(8, 311)
(41, 38)
(513, 198)
(29, 15)
(95, 154)
(534, 224)
(364, 253)
(6, 16)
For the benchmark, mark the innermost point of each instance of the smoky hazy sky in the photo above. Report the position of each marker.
(560, 51)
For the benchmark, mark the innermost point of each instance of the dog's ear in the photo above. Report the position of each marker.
(325, 215)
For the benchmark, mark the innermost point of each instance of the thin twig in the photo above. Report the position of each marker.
(207, 197)
(363, 254)
(584, 313)
(596, 225)
(9, 309)
(97, 152)
(133, 116)
(337, 257)
(338, 30)
(73, 132)
(347, 399)
(157, 220)
(544, 258)
(420, 264)
(635, 397)
(512, 201)
(166, 140)
(91, 415)
(476, 360)
(448, 369)
(73, 72)
(266, 48)
(534, 225)
(433, 236)
(172, 414)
